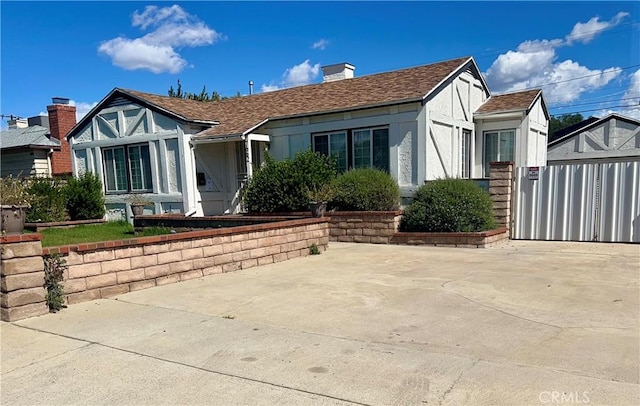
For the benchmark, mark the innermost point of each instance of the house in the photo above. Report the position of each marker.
(419, 124)
(614, 138)
(38, 146)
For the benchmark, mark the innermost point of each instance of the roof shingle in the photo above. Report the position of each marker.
(239, 115)
(509, 102)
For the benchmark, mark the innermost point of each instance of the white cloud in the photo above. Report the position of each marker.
(301, 74)
(320, 44)
(632, 95)
(172, 28)
(585, 32)
(82, 108)
(298, 75)
(534, 64)
(269, 88)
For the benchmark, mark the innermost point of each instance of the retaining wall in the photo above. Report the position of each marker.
(22, 292)
(111, 268)
(376, 227)
(462, 240)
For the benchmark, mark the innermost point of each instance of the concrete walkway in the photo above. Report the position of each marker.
(523, 323)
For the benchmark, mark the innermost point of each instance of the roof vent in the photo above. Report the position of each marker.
(60, 100)
(339, 71)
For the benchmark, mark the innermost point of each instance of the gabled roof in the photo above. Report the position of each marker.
(240, 115)
(29, 137)
(589, 124)
(512, 102)
(573, 127)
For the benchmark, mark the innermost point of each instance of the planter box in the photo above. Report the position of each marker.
(376, 227)
(481, 239)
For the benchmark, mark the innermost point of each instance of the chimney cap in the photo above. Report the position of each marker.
(60, 100)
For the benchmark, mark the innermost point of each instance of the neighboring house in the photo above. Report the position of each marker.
(418, 124)
(614, 138)
(37, 146)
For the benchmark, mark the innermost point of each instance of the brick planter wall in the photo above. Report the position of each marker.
(463, 240)
(111, 268)
(22, 292)
(501, 179)
(376, 227)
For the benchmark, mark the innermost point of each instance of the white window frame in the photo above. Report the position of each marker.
(485, 168)
(329, 152)
(371, 130)
(466, 137)
(129, 174)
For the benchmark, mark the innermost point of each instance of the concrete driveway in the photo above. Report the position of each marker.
(522, 323)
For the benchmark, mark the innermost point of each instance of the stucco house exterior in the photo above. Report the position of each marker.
(419, 124)
(614, 138)
(37, 146)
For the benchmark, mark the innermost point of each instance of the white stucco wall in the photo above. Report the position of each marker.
(293, 135)
(531, 130)
(447, 113)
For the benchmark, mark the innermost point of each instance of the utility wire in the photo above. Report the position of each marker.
(579, 77)
(600, 109)
(597, 102)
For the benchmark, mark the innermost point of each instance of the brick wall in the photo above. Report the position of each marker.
(501, 179)
(111, 268)
(22, 292)
(363, 226)
(481, 239)
(62, 118)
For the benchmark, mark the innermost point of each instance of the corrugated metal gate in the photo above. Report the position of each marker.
(588, 202)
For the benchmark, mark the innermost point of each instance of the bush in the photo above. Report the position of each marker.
(365, 189)
(48, 200)
(449, 205)
(84, 197)
(282, 186)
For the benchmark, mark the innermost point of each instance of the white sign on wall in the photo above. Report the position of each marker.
(534, 172)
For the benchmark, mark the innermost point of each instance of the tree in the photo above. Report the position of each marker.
(557, 123)
(202, 96)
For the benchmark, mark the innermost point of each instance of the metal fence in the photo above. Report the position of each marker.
(587, 202)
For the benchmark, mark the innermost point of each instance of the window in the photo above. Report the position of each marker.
(498, 146)
(361, 148)
(334, 144)
(465, 148)
(127, 169)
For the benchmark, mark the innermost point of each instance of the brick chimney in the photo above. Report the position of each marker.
(62, 118)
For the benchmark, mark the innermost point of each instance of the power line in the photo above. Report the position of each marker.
(598, 102)
(604, 96)
(550, 44)
(603, 108)
(580, 77)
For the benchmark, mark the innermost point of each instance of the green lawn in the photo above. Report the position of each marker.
(112, 230)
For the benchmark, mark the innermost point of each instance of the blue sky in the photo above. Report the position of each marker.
(586, 54)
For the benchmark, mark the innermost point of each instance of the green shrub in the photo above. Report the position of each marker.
(282, 186)
(48, 200)
(85, 199)
(365, 189)
(449, 205)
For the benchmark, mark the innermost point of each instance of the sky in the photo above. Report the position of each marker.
(584, 55)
